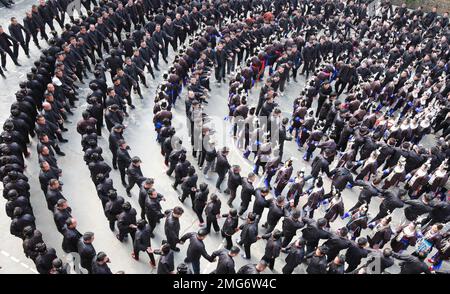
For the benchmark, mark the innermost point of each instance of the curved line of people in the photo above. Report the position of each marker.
(112, 64)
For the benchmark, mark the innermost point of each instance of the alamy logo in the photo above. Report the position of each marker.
(73, 6)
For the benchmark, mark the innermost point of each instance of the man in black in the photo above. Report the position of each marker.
(86, 251)
(71, 236)
(172, 227)
(313, 232)
(123, 160)
(153, 209)
(249, 234)
(15, 30)
(196, 249)
(225, 265)
(134, 173)
(6, 41)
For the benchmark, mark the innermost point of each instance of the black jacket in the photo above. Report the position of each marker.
(411, 265)
(222, 165)
(249, 232)
(87, 253)
(70, 239)
(312, 233)
(172, 229)
(260, 203)
(196, 248)
(317, 264)
(230, 224)
(225, 264)
(290, 226)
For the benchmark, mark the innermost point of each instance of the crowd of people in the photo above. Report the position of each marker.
(378, 81)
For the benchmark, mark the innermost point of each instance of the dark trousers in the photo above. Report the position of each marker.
(196, 266)
(229, 241)
(150, 255)
(270, 261)
(219, 72)
(213, 221)
(244, 207)
(287, 239)
(10, 53)
(123, 233)
(220, 180)
(122, 170)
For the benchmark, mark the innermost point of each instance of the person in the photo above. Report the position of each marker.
(378, 262)
(249, 234)
(336, 267)
(6, 41)
(189, 185)
(143, 194)
(247, 191)
(153, 209)
(317, 261)
(273, 247)
(234, 181)
(225, 264)
(212, 211)
(355, 253)
(183, 269)
(412, 265)
(135, 175)
(277, 210)
(253, 269)
(100, 264)
(113, 208)
(201, 198)
(142, 241)
(295, 256)
(123, 159)
(314, 231)
(70, 236)
(20, 221)
(126, 222)
(230, 227)
(86, 250)
(172, 227)
(45, 258)
(166, 262)
(337, 243)
(381, 233)
(59, 268)
(196, 249)
(290, 226)
(15, 30)
(222, 166)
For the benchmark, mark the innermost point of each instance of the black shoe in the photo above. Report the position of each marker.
(64, 141)
(174, 187)
(124, 184)
(18, 64)
(114, 166)
(179, 198)
(176, 249)
(132, 106)
(152, 235)
(61, 153)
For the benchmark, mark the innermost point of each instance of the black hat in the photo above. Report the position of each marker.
(136, 159)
